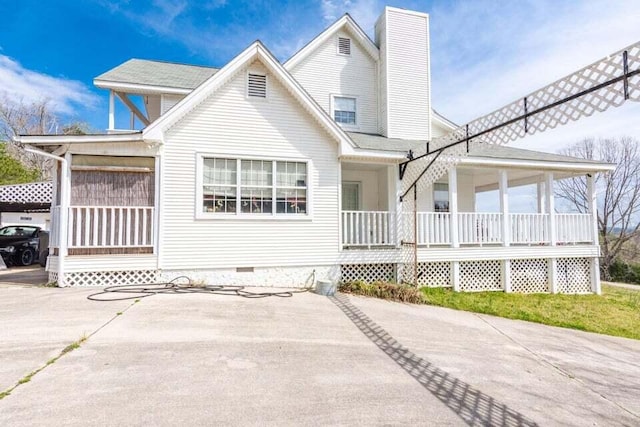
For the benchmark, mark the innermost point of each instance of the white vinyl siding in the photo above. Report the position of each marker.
(227, 126)
(324, 73)
(168, 101)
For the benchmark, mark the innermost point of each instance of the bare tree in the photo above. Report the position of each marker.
(618, 193)
(20, 118)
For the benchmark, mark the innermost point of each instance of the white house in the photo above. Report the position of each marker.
(279, 174)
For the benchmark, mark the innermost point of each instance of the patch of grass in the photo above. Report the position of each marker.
(615, 312)
(50, 285)
(28, 377)
(384, 290)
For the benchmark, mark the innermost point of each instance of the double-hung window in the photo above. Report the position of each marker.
(253, 186)
(344, 110)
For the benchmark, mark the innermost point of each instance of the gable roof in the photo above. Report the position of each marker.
(345, 22)
(255, 51)
(154, 74)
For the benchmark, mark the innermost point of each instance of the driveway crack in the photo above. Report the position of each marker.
(68, 349)
(542, 360)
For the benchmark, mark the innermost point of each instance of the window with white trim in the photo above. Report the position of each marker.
(440, 197)
(344, 110)
(261, 187)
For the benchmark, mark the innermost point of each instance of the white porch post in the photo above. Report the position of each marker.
(503, 185)
(395, 210)
(550, 207)
(540, 194)
(112, 112)
(593, 210)
(453, 211)
(63, 235)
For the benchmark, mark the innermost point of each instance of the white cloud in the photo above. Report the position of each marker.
(364, 12)
(486, 54)
(21, 84)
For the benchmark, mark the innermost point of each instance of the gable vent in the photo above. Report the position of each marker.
(344, 46)
(257, 85)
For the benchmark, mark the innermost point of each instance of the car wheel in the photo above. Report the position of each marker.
(26, 257)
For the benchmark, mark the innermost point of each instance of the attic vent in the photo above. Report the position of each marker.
(257, 85)
(344, 46)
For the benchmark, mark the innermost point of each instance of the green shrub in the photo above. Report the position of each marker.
(384, 290)
(625, 272)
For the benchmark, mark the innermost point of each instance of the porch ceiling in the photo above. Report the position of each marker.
(486, 179)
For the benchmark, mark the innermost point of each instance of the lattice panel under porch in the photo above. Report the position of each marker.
(481, 276)
(367, 272)
(529, 275)
(53, 276)
(434, 274)
(574, 275)
(110, 278)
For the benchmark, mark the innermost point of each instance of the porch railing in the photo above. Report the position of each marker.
(378, 228)
(434, 228)
(573, 228)
(479, 228)
(369, 228)
(527, 228)
(110, 226)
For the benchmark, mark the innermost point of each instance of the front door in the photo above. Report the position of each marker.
(350, 196)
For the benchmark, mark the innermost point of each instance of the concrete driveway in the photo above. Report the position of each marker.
(29, 275)
(306, 360)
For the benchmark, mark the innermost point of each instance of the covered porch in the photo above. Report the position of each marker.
(475, 205)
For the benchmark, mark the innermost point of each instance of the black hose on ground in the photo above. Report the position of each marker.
(182, 285)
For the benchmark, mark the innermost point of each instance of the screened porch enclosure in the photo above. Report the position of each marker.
(111, 207)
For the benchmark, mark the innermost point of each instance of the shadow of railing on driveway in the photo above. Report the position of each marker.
(473, 406)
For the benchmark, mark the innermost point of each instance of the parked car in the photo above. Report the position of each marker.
(20, 244)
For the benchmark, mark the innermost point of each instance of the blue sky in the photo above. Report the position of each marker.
(484, 53)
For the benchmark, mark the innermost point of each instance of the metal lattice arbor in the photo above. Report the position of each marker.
(604, 84)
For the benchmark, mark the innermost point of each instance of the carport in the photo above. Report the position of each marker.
(30, 198)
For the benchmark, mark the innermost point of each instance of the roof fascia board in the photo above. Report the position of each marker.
(538, 164)
(443, 120)
(345, 21)
(78, 139)
(135, 88)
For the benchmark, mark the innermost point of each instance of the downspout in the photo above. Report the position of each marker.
(64, 196)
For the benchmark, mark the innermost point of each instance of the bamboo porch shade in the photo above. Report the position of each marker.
(112, 188)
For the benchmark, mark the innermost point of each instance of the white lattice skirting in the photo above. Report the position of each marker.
(368, 272)
(434, 274)
(481, 276)
(573, 275)
(109, 278)
(529, 275)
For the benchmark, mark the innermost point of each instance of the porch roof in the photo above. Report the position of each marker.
(487, 154)
(143, 74)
